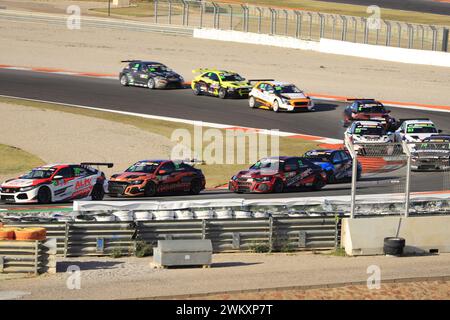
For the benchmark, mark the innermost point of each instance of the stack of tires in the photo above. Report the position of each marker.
(23, 234)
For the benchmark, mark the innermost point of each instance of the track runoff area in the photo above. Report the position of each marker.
(325, 123)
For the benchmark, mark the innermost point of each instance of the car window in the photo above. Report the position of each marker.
(80, 172)
(268, 88)
(261, 86)
(213, 76)
(65, 172)
(169, 167)
(336, 157)
(136, 66)
(291, 165)
(344, 155)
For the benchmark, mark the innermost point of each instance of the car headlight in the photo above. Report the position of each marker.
(137, 182)
(23, 189)
(233, 178)
(285, 101)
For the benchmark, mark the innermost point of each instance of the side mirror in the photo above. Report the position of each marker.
(58, 177)
(439, 131)
(162, 172)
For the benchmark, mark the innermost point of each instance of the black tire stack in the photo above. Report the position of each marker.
(393, 246)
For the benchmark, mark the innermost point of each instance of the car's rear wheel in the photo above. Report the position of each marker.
(278, 186)
(151, 83)
(197, 90)
(252, 102)
(150, 189)
(222, 93)
(98, 193)
(44, 195)
(124, 80)
(275, 106)
(196, 187)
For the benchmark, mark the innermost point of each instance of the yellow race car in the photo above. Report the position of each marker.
(220, 83)
(276, 96)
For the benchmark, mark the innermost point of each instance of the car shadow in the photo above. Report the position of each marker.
(63, 266)
(320, 107)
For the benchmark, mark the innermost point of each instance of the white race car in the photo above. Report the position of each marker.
(415, 130)
(276, 96)
(367, 132)
(56, 183)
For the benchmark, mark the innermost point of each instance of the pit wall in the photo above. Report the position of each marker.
(365, 236)
(414, 56)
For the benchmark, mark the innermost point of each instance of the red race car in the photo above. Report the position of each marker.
(368, 109)
(56, 183)
(151, 177)
(278, 174)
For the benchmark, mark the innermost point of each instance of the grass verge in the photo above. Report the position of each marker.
(14, 160)
(216, 174)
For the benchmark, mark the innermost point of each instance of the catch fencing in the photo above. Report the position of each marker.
(300, 24)
(227, 235)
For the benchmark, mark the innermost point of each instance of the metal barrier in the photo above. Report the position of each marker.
(32, 257)
(104, 238)
(299, 23)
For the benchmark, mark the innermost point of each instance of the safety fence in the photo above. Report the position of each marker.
(33, 257)
(299, 23)
(281, 234)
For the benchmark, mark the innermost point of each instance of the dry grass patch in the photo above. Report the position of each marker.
(14, 160)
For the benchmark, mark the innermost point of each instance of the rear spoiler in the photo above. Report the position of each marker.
(108, 164)
(259, 80)
(131, 61)
(199, 70)
(400, 121)
(357, 99)
(191, 162)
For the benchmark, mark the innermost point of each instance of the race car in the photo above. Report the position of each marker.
(56, 183)
(278, 174)
(366, 132)
(432, 154)
(151, 177)
(150, 74)
(415, 130)
(276, 96)
(368, 109)
(336, 163)
(220, 83)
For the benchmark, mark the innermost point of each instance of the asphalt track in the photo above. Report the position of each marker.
(425, 6)
(326, 121)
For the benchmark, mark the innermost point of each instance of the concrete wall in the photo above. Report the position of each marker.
(364, 236)
(414, 56)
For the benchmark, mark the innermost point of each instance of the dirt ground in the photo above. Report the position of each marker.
(56, 137)
(101, 50)
(130, 277)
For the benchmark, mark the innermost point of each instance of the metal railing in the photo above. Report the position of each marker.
(299, 24)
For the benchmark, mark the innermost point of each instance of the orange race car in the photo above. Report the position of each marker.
(151, 177)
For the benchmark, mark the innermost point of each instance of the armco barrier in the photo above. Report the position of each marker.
(370, 51)
(104, 238)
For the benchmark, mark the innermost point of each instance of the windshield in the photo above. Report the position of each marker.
(38, 174)
(157, 68)
(145, 167)
(370, 131)
(268, 164)
(287, 89)
(371, 108)
(421, 128)
(230, 77)
(433, 146)
(318, 157)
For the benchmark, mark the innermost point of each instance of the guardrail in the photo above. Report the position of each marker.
(300, 24)
(273, 233)
(32, 257)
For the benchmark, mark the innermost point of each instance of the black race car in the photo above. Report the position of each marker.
(368, 109)
(150, 74)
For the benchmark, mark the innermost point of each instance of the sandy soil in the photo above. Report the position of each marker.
(100, 50)
(107, 278)
(56, 136)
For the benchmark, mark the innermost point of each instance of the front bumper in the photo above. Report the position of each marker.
(121, 188)
(239, 92)
(430, 164)
(19, 197)
(250, 186)
(294, 105)
(166, 84)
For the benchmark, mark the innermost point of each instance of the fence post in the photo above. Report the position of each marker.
(202, 5)
(184, 12)
(231, 16)
(388, 33)
(271, 20)
(410, 36)
(259, 18)
(169, 13)
(286, 16)
(445, 40)
(187, 13)
(214, 15)
(298, 20)
(203, 229)
(156, 11)
(36, 257)
(333, 28)
(366, 31)
(310, 25)
(66, 238)
(407, 151)
(344, 27)
(434, 40)
(322, 26)
(354, 156)
(399, 34)
(245, 9)
(355, 24)
(270, 233)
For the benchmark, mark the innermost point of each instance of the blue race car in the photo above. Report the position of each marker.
(336, 163)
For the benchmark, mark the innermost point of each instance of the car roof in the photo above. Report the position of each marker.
(278, 83)
(153, 160)
(368, 123)
(323, 150)
(418, 121)
(368, 101)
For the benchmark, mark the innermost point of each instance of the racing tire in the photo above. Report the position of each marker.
(278, 186)
(150, 189)
(151, 83)
(197, 90)
(318, 183)
(124, 80)
(98, 193)
(252, 102)
(44, 195)
(275, 106)
(393, 246)
(196, 187)
(331, 178)
(222, 93)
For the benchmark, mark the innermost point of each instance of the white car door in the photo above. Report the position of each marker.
(63, 186)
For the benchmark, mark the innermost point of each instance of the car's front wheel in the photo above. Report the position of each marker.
(44, 195)
(222, 93)
(278, 186)
(318, 183)
(196, 187)
(276, 106)
(151, 83)
(252, 102)
(124, 80)
(150, 189)
(197, 90)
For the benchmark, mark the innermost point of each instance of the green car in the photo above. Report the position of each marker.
(220, 83)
